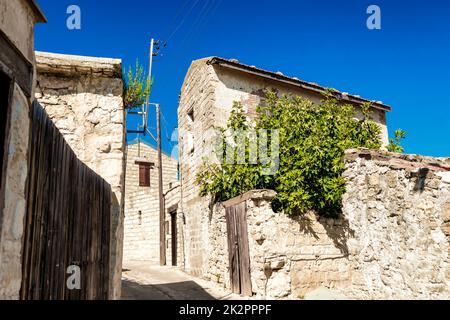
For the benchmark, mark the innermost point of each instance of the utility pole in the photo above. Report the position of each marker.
(150, 67)
(162, 213)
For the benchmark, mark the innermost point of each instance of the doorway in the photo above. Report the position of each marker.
(174, 234)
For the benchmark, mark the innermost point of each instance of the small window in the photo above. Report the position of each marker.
(190, 114)
(144, 175)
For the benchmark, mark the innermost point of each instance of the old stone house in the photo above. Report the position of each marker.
(142, 220)
(211, 86)
(63, 143)
(392, 240)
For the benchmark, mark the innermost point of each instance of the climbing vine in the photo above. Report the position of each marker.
(312, 141)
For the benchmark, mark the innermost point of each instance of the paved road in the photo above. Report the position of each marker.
(141, 281)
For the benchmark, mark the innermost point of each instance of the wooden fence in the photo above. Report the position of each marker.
(67, 222)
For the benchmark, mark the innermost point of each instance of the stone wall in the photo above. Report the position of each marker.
(12, 226)
(17, 21)
(198, 98)
(392, 241)
(399, 209)
(141, 231)
(83, 97)
(289, 257)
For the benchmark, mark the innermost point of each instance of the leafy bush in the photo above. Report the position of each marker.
(136, 87)
(395, 143)
(312, 141)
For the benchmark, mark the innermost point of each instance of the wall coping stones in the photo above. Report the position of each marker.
(74, 66)
(398, 161)
(262, 194)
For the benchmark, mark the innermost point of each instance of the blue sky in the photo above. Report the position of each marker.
(406, 64)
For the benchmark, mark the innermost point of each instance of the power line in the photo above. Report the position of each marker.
(166, 124)
(206, 7)
(201, 20)
(182, 22)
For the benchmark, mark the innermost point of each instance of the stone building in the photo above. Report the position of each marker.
(83, 97)
(17, 21)
(142, 239)
(391, 242)
(207, 95)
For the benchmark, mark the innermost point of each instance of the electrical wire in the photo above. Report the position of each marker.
(202, 19)
(181, 22)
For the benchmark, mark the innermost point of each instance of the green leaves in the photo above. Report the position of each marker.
(395, 143)
(312, 141)
(136, 87)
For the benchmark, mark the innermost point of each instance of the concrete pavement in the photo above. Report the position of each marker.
(141, 281)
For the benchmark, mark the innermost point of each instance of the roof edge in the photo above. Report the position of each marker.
(74, 65)
(294, 81)
(40, 16)
(148, 144)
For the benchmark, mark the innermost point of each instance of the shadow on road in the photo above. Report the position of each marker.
(187, 290)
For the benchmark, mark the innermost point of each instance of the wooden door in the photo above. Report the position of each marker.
(238, 250)
(174, 233)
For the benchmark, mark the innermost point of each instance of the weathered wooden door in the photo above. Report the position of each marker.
(238, 250)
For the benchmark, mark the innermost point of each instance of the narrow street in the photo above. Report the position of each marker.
(143, 282)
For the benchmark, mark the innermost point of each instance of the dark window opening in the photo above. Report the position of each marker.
(190, 114)
(144, 174)
(5, 88)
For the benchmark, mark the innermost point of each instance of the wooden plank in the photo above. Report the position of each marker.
(244, 254)
(232, 252)
(67, 219)
(28, 230)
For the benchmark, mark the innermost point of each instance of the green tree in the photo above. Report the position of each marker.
(136, 87)
(395, 142)
(312, 141)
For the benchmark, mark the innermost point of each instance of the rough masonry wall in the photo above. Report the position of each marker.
(398, 207)
(83, 97)
(288, 257)
(141, 233)
(197, 95)
(17, 22)
(392, 241)
(12, 230)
